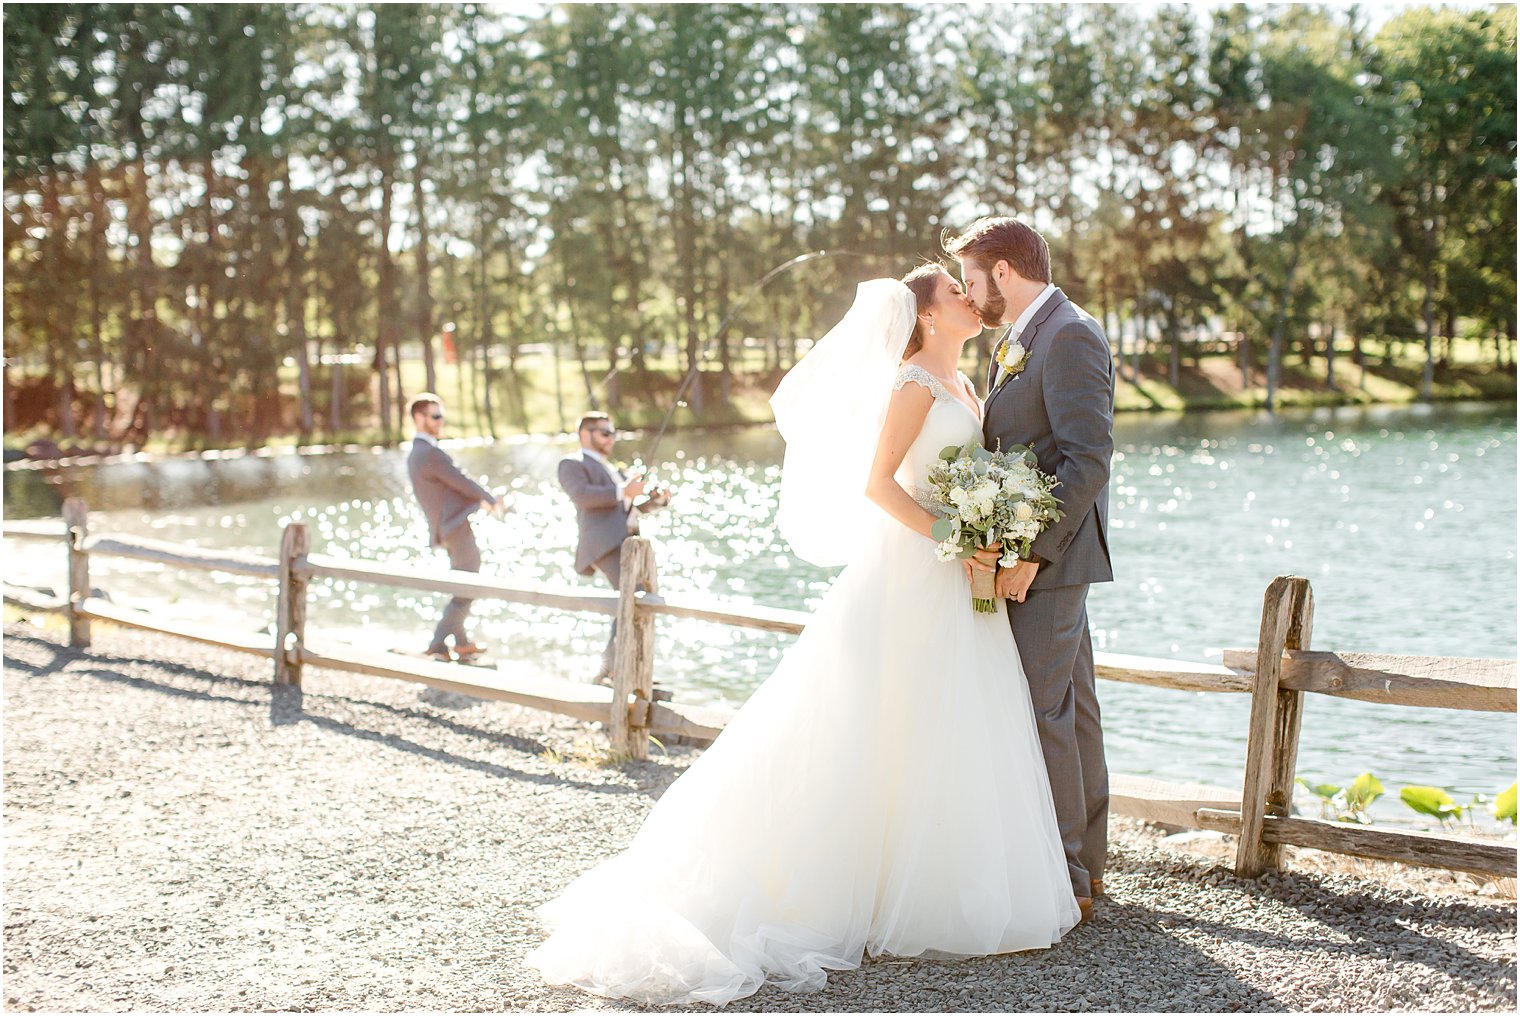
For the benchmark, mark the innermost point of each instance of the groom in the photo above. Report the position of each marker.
(1051, 388)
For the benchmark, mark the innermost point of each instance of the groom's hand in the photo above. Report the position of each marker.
(1013, 583)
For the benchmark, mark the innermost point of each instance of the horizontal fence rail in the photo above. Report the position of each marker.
(1444, 682)
(178, 556)
(634, 712)
(457, 583)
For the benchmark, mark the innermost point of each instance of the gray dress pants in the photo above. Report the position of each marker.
(1050, 627)
(610, 564)
(464, 555)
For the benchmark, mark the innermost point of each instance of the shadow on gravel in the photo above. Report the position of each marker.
(439, 755)
(1378, 926)
(288, 706)
(57, 657)
(143, 684)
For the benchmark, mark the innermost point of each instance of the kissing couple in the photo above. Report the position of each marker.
(915, 776)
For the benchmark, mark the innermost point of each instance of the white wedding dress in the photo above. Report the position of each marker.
(882, 792)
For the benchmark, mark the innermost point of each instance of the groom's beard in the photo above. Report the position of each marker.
(992, 311)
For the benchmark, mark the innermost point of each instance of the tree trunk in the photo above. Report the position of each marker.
(637, 269)
(98, 215)
(1330, 356)
(424, 327)
(387, 298)
(335, 410)
(686, 257)
(1279, 324)
(725, 341)
(1122, 332)
(485, 313)
(488, 408)
(1174, 366)
(295, 320)
(1427, 375)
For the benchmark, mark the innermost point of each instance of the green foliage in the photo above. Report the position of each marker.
(1323, 791)
(1432, 801)
(1504, 806)
(1359, 796)
(1349, 803)
(226, 191)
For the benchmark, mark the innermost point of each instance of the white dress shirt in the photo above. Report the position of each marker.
(1017, 331)
(430, 439)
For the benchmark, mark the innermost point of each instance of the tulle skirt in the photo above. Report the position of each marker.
(882, 791)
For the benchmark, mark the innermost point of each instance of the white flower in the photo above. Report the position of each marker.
(957, 496)
(946, 551)
(1023, 511)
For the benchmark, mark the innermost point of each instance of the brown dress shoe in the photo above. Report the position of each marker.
(1084, 904)
(1097, 888)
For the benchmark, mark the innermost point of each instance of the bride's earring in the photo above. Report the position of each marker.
(931, 326)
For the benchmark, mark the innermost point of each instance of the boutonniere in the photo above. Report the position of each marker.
(621, 467)
(1012, 357)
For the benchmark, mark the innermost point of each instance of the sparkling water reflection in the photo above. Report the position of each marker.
(1404, 520)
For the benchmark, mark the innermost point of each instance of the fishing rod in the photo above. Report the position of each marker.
(691, 375)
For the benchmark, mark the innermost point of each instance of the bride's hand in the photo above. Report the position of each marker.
(985, 559)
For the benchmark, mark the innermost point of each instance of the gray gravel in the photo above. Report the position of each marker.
(178, 837)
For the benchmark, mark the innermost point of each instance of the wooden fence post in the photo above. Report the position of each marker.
(76, 524)
(290, 611)
(633, 666)
(1287, 621)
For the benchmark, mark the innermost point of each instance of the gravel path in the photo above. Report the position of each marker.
(179, 838)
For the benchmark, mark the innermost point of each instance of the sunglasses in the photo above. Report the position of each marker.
(436, 416)
(603, 431)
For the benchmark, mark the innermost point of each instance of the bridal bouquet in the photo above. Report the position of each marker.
(986, 498)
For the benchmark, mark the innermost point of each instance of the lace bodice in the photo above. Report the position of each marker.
(950, 422)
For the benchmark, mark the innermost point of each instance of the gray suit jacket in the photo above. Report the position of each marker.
(602, 522)
(1062, 406)
(447, 495)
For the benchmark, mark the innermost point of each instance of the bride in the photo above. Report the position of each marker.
(884, 790)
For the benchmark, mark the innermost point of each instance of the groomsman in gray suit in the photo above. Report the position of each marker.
(1051, 388)
(606, 509)
(448, 498)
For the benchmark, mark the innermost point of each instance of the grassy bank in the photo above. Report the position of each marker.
(542, 396)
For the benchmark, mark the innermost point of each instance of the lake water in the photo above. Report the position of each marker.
(1403, 519)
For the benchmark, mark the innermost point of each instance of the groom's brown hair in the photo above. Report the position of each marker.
(1000, 238)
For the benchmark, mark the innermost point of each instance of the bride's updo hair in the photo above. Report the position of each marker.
(921, 282)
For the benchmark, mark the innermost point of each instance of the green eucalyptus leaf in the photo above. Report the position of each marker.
(942, 530)
(1321, 790)
(1432, 801)
(1504, 805)
(1363, 791)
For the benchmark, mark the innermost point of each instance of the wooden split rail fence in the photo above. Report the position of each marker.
(1277, 675)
